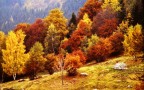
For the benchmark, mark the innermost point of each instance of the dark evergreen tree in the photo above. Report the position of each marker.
(138, 13)
(72, 24)
(73, 19)
(122, 13)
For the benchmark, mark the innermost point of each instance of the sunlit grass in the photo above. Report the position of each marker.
(100, 76)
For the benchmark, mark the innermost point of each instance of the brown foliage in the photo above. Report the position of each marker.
(100, 51)
(81, 55)
(51, 63)
(83, 29)
(73, 61)
(106, 47)
(34, 32)
(22, 26)
(107, 28)
(77, 36)
(105, 23)
(66, 46)
(116, 41)
(140, 86)
(91, 7)
(75, 40)
(36, 60)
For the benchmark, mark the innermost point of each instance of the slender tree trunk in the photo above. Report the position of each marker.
(14, 76)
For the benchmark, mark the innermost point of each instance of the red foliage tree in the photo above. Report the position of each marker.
(81, 55)
(83, 29)
(116, 40)
(34, 32)
(73, 61)
(23, 26)
(107, 28)
(106, 47)
(105, 23)
(76, 38)
(91, 7)
(100, 51)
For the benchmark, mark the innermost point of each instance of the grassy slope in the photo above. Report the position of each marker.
(101, 76)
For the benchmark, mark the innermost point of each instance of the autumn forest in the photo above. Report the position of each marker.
(101, 30)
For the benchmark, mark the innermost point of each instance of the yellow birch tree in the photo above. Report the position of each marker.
(114, 4)
(14, 55)
(2, 46)
(133, 40)
(60, 22)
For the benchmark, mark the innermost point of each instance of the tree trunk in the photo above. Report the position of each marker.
(14, 76)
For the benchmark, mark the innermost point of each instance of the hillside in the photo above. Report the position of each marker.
(101, 76)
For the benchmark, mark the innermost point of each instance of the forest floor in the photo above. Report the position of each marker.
(101, 76)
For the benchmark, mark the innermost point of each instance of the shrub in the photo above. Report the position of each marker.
(72, 62)
(51, 63)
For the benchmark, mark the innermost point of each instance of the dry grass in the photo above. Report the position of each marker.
(100, 76)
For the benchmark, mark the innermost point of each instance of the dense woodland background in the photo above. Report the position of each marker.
(102, 29)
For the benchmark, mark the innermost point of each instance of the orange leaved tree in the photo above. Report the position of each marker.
(73, 61)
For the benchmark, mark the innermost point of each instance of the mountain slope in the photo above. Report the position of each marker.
(13, 12)
(100, 76)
